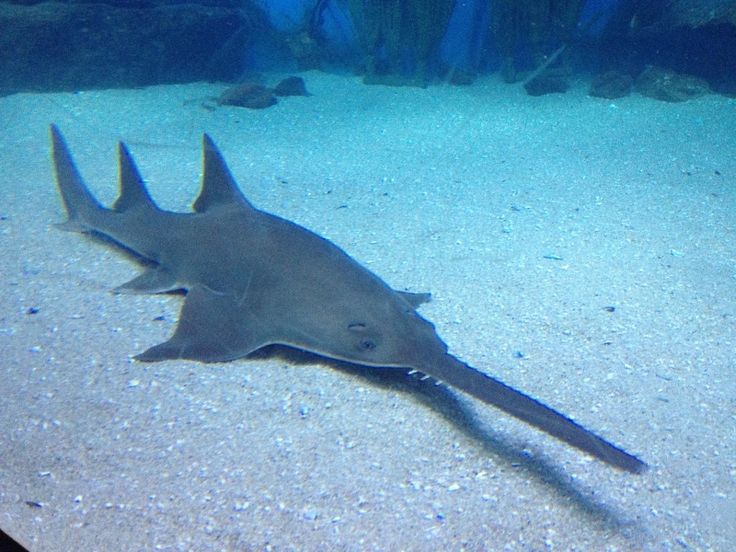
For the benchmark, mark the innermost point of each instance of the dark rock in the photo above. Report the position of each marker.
(668, 86)
(248, 94)
(611, 84)
(291, 86)
(542, 85)
(689, 37)
(76, 45)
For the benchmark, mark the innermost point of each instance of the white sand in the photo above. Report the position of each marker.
(461, 191)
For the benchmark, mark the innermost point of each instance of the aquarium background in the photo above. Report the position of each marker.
(121, 43)
(560, 175)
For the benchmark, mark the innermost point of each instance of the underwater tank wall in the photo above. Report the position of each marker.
(77, 44)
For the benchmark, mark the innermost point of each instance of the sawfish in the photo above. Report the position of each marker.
(254, 279)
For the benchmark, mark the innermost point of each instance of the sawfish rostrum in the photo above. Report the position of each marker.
(253, 279)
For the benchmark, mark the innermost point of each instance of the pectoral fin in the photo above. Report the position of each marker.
(212, 328)
(415, 299)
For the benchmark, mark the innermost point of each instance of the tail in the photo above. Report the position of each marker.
(533, 412)
(81, 206)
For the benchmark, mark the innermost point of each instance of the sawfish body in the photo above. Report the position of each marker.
(254, 279)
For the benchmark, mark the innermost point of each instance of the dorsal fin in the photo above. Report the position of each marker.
(218, 185)
(133, 193)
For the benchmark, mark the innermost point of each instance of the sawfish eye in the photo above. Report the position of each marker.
(366, 345)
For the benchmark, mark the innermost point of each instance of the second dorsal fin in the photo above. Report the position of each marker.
(133, 192)
(218, 185)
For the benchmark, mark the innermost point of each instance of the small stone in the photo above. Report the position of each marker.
(291, 86)
(248, 94)
(668, 86)
(241, 506)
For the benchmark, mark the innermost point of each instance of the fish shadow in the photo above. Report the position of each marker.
(458, 412)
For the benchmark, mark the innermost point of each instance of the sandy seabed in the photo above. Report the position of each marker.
(527, 218)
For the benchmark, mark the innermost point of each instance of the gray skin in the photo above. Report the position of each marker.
(253, 279)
